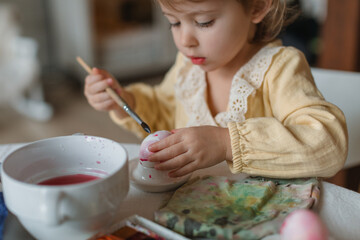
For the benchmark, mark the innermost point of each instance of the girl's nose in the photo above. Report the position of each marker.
(187, 38)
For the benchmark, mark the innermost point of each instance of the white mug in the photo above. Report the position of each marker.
(75, 211)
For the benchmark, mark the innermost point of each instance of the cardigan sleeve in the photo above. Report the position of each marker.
(306, 136)
(154, 104)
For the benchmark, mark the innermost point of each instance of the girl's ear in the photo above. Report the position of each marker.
(259, 10)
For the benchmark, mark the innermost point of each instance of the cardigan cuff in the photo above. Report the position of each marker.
(237, 148)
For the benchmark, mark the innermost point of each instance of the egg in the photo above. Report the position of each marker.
(144, 148)
(303, 224)
(145, 177)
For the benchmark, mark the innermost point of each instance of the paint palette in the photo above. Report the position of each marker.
(149, 179)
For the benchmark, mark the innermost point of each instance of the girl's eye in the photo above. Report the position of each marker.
(172, 25)
(205, 24)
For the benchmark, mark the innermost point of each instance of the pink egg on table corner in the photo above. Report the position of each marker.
(150, 139)
(303, 224)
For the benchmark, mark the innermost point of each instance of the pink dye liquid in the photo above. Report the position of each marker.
(69, 179)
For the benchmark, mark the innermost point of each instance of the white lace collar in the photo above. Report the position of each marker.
(190, 89)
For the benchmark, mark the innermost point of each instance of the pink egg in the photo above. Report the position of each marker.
(303, 224)
(150, 139)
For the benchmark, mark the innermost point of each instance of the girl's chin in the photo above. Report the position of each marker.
(208, 68)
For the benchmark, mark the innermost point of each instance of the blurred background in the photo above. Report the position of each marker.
(131, 39)
(41, 84)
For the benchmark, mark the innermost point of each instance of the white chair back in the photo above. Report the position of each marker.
(343, 89)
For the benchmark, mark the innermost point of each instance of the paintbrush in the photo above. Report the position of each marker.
(119, 100)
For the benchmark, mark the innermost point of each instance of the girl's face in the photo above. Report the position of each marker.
(212, 33)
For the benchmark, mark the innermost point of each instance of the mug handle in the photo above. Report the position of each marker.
(51, 209)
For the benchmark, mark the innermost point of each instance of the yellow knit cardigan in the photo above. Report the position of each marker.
(279, 123)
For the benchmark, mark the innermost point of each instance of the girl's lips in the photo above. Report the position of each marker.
(197, 60)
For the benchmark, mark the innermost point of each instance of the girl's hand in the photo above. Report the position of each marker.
(189, 149)
(95, 92)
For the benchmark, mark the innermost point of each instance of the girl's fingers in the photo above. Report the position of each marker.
(90, 79)
(101, 97)
(164, 143)
(102, 72)
(99, 75)
(97, 87)
(95, 71)
(175, 130)
(188, 168)
(174, 163)
(105, 105)
(167, 153)
(113, 83)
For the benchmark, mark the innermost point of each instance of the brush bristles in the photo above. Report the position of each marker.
(145, 127)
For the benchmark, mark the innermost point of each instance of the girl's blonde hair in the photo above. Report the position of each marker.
(279, 16)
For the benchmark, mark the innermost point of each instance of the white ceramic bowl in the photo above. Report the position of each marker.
(76, 211)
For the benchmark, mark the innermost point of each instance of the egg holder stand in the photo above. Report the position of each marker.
(145, 177)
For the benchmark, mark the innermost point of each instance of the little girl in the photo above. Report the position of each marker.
(235, 94)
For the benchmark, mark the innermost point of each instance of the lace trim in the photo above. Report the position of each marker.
(190, 90)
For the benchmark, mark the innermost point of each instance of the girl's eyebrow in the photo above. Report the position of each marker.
(193, 13)
(167, 14)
